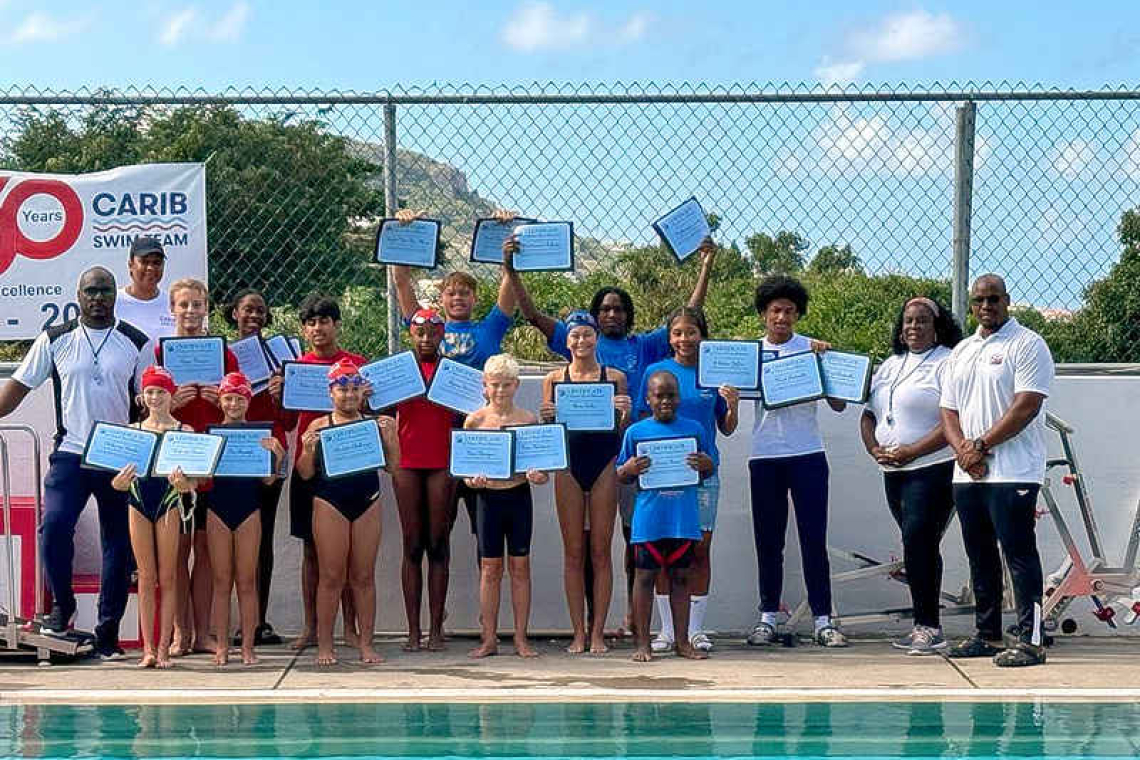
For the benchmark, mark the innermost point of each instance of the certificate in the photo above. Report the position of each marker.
(252, 359)
(791, 379)
(545, 246)
(280, 350)
(415, 244)
(194, 360)
(683, 229)
(351, 448)
(729, 362)
(243, 456)
(196, 453)
(113, 447)
(487, 242)
(540, 447)
(489, 453)
(668, 467)
(295, 344)
(394, 379)
(457, 387)
(584, 406)
(846, 377)
(305, 387)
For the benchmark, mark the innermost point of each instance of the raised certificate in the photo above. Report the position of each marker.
(280, 350)
(683, 229)
(243, 456)
(489, 453)
(252, 360)
(457, 387)
(846, 377)
(351, 448)
(197, 454)
(393, 379)
(540, 447)
(790, 380)
(112, 447)
(730, 362)
(194, 360)
(584, 406)
(668, 467)
(415, 244)
(305, 387)
(487, 242)
(545, 246)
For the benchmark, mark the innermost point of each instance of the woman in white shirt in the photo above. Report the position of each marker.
(902, 431)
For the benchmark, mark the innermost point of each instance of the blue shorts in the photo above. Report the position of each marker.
(708, 495)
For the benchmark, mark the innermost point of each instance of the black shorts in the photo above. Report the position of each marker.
(664, 553)
(300, 507)
(196, 515)
(504, 516)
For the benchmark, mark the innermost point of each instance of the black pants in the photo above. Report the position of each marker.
(922, 503)
(1002, 513)
(805, 477)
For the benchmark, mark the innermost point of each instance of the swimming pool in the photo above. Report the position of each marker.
(698, 730)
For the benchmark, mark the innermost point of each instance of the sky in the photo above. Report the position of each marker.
(371, 45)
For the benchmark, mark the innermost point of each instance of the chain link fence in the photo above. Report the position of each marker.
(855, 189)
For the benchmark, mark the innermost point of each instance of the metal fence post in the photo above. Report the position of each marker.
(966, 117)
(390, 205)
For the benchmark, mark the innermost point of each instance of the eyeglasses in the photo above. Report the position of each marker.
(345, 380)
(991, 300)
(96, 292)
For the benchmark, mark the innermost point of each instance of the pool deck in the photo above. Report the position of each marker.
(1078, 669)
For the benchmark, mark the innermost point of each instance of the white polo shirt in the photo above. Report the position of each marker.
(791, 430)
(86, 391)
(905, 394)
(982, 377)
(153, 317)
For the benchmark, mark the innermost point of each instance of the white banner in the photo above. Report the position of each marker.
(54, 226)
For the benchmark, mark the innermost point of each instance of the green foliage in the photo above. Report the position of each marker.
(832, 258)
(782, 254)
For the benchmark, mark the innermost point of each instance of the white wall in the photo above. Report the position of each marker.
(1103, 409)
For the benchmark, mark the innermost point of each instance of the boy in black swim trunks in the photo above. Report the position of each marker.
(666, 522)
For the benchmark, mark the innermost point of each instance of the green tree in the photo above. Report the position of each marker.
(833, 258)
(782, 254)
(1109, 324)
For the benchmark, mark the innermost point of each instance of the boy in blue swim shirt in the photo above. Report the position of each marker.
(666, 523)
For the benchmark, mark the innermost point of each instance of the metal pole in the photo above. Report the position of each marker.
(963, 205)
(390, 206)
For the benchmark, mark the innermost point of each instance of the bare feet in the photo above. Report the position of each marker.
(164, 661)
(222, 656)
(524, 649)
(577, 645)
(205, 645)
(370, 656)
(247, 656)
(688, 651)
(178, 646)
(642, 654)
(436, 642)
(149, 660)
(598, 645)
(306, 639)
(326, 657)
(486, 649)
(413, 643)
(351, 638)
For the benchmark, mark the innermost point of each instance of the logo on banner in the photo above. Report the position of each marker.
(39, 219)
(121, 217)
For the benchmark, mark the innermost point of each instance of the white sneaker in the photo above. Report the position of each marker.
(701, 642)
(661, 643)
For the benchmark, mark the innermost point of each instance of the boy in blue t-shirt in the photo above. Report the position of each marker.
(666, 525)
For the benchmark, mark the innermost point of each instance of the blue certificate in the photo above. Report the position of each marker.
(540, 447)
(487, 242)
(196, 453)
(846, 377)
(457, 387)
(305, 387)
(683, 229)
(279, 349)
(791, 380)
(194, 360)
(394, 379)
(489, 453)
(252, 359)
(545, 246)
(668, 465)
(415, 244)
(584, 406)
(243, 456)
(113, 447)
(351, 448)
(729, 362)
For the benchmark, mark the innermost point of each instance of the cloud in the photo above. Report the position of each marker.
(908, 37)
(1071, 159)
(837, 72)
(230, 26)
(174, 29)
(539, 26)
(41, 27)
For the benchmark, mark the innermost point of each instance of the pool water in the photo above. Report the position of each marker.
(572, 730)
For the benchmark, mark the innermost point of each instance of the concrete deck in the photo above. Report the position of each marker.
(1079, 668)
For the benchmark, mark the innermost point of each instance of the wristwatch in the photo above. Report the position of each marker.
(980, 445)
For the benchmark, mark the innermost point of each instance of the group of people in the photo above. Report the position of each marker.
(955, 425)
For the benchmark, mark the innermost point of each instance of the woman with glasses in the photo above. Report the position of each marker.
(346, 517)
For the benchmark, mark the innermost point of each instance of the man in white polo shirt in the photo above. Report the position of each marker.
(993, 416)
(142, 302)
(94, 363)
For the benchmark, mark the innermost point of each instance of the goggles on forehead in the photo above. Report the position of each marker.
(346, 380)
(426, 319)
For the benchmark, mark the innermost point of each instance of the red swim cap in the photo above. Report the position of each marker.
(236, 383)
(155, 376)
(427, 317)
(343, 368)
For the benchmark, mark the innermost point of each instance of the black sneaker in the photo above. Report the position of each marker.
(110, 652)
(975, 646)
(1020, 655)
(266, 636)
(57, 622)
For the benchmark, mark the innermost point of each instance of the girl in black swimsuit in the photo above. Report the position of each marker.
(155, 517)
(346, 517)
(589, 487)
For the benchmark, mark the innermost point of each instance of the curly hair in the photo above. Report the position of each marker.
(947, 331)
(781, 286)
(626, 302)
(317, 305)
(236, 301)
